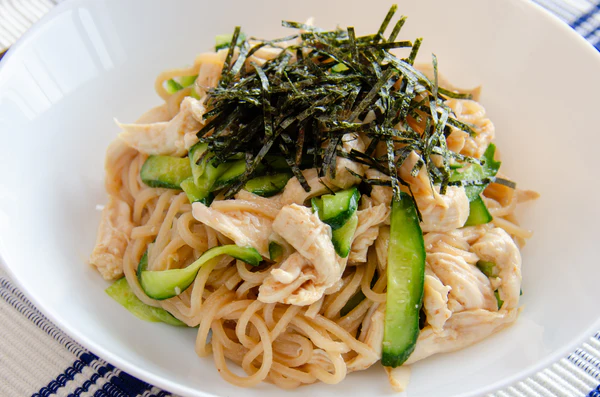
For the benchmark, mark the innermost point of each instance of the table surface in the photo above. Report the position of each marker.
(38, 359)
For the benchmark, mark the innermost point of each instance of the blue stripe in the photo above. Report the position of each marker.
(61, 380)
(595, 392)
(132, 386)
(101, 393)
(593, 30)
(113, 391)
(584, 17)
(596, 42)
(85, 386)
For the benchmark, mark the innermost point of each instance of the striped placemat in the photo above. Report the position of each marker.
(38, 359)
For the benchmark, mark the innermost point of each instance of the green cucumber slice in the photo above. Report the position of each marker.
(121, 292)
(478, 213)
(165, 171)
(336, 209)
(406, 275)
(166, 284)
(342, 237)
(268, 185)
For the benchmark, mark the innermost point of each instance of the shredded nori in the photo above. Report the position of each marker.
(300, 104)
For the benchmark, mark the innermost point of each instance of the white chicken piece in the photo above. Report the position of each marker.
(440, 212)
(449, 213)
(155, 115)
(294, 193)
(245, 228)
(305, 275)
(461, 330)
(398, 377)
(367, 231)
(343, 177)
(288, 283)
(498, 247)
(471, 289)
(209, 74)
(172, 138)
(457, 242)
(113, 237)
(473, 113)
(379, 194)
(361, 244)
(263, 55)
(435, 301)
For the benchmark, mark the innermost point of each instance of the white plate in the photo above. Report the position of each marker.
(90, 61)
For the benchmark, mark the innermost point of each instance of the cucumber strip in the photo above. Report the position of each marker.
(342, 237)
(172, 86)
(121, 292)
(186, 81)
(498, 300)
(487, 268)
(166, 284)
(476, 172)
(275, 251)
(194, 154)
(194, 94)
(317, 205)
(211, 174)
(235, 170)
(238, 168)
(224, 40)
(478, 213)
(339, 68)
(165, 171)
(276, 163)
(143, 265)
(268, 185)
(194, 193)
(205, 174)
(406, 275)
(336, 209)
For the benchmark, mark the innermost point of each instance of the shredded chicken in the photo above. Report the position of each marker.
(440, 212)
(211, 65)
(367, 231)
(113, 237)
(344, 167)
(361, 244)
(461, 330)
(398, 377)
(294, 193)
(246, 229)
(173, 137)
(471, 289)
(155, 115)
(459, 302)
(435, 301)
(472, 113)
(498, 247)
(304, 276)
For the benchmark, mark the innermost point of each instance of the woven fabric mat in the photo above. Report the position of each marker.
(38, 359)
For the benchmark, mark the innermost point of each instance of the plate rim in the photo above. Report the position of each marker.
(162, 382)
